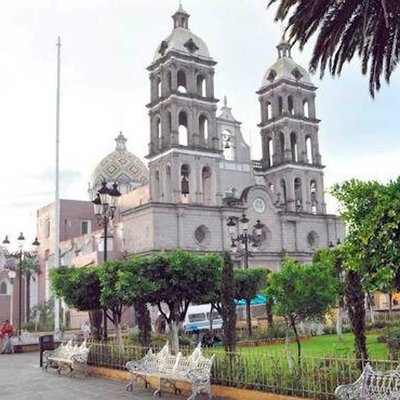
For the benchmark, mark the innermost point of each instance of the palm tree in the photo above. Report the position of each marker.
(368, 28)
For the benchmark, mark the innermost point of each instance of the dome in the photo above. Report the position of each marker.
(122, 167)
(285, 68)
(182, 40)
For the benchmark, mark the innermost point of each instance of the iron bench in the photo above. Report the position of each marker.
(372, 385)
(168, 368)
(67, 357)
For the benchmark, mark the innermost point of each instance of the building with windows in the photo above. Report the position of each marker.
(200, 174)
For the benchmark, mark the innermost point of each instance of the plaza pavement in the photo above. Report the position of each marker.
(22, 379)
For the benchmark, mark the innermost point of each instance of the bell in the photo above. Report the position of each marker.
(184, 186)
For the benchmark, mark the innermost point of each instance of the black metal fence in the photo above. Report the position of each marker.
(314, 377)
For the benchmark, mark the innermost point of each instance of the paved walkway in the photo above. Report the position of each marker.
(22, 379)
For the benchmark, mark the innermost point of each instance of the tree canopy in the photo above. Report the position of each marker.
(302, 292)
(345, 28)
(372, 213)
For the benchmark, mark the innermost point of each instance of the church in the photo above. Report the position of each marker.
(201, 189)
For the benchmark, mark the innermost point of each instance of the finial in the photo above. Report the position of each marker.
(225, 102)
(121, 142)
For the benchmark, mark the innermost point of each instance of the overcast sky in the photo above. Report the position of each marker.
(106, 47)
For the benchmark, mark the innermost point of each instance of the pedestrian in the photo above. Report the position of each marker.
(85, 330)
(6, 332)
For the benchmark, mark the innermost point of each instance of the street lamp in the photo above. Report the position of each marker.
(12, 274)
(244, 238)
(105, 205)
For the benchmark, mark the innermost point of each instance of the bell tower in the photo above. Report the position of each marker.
(291, 162)
(184, 143)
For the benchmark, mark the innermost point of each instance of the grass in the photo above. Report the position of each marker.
(324, 346)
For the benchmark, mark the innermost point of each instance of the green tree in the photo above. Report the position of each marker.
(302, 292)
(134, 288)
(183, 278)
(345, 28)
(80, 289)
(249, 283)
(371, 211)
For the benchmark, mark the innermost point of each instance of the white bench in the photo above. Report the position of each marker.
(195, 369)
(69, 356)
(372, 385)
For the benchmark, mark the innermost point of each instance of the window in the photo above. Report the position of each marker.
(197, 317)
(86, 227)
(202, 234)
(270, 152)
(215, 315)
(280, 105)
(3, 288)
(47, 228)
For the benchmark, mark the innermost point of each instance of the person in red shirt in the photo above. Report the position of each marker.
(6, 332)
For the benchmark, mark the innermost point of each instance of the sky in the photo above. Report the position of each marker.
(106, 47)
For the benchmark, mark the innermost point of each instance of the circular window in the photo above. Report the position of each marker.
(201, 234)
(259, 205)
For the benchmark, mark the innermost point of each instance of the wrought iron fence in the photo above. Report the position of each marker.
(314, 377)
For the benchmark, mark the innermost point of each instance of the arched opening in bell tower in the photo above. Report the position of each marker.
(290, 105)
(268, 110)
(185, 186)
(201, 85)
(283, 191)
(280, 105)
(306, 108)
(313, 196)
(183, 128)
(203, 128)
(294, 148)
(298, 198)
(158, 86)
(281, 146)
(206, 185)
(228, 145)
(181, 81)
(168, 185)
(169, 81)
(271, 152)
(309, 150)
(158, 132)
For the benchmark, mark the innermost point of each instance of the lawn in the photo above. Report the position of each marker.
(323, 346)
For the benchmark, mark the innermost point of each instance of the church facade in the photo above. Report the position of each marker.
(200, 174)
(200, 171)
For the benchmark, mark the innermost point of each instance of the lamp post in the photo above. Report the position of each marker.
(105, 205)
(245, 238)
(12, 274)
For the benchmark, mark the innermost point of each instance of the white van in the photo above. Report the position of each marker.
(198, 318)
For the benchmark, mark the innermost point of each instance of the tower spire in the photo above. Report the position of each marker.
(181, 18)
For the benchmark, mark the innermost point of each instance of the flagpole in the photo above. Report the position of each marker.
(57, 193)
